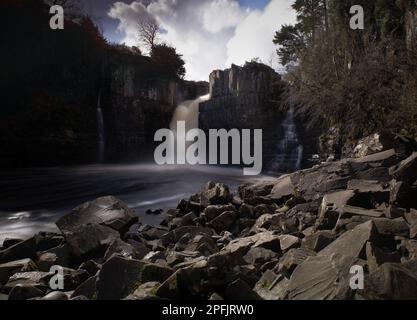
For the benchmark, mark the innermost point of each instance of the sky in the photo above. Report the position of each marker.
(210, 34)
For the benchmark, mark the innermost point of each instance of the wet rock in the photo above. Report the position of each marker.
(272, 286)
(24, 292)
(322, 278)
(240, 290)
(87, 289)
(107, 211)
(390, 282)
(215, 194)
(9, 242)
(212, 212)
(406, 170)
(353, 243)
(10, 268)
(87, 241)
(55, 296)
(223, 222)
(318, 240)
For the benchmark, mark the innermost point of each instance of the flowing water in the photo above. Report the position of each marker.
(31, 200)
(289, 152)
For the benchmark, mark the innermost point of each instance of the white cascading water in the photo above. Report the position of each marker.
(290, 151)
(189, 112)
(100, 131)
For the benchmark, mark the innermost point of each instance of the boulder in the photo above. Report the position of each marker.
(118, 278)
(376, 257)
(240, 290)
(212, 212)
(145, 291)
(21, 250)
(46, 261)
(215, 194)
(402, 194)
(392, 227)
(90, 266)
(37, 279)
(56, 296)
(272, 286)
(318, 241)
(10, 268)
(356, 211)
(175, 235)
(259, 256)
(322, 277)
(292, 259)
(122, 249)
(62, 253)
(223, 222)
(352, 243)
(106, 211)
(406, 170)
(288, 242)
(390, 281)
(282, 190)
(87, 289)
(24, 292)
(87, 241)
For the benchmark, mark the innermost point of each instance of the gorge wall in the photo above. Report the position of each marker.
(251, 97)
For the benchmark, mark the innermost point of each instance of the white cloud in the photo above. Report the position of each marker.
(211, 34)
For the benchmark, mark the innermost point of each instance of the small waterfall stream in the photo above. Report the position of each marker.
(289, 151)
(100, 131)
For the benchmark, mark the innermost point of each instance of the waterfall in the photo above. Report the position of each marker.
(100, 131)
(189, 112)
(289, 150)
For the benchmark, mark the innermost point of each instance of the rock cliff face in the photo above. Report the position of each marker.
(137, 106)
(250, 97)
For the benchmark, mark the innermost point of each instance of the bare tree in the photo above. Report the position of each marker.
(149, 31)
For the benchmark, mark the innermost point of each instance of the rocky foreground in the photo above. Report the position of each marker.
(293, 238)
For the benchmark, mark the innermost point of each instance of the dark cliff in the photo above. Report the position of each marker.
(251, 97)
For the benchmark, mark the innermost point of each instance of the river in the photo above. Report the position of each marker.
(31, 200)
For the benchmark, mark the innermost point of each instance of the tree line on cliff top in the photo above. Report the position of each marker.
(361, 81)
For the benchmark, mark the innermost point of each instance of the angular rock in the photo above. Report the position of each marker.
(91, 267)
(122, 249)
(390, 281)
(240, 290)
(24, 292)
(352, 243)
(175, 235)
(21, 250)
(37, 279)
(145, 291)
(10, 268)
(283, 190)
(212, 212)
(392, 227)
(259, 256)
(107, 211)
(318, 240)
(215, 194)
(87, 241)
(292, 259)
(55, 296)
(272, 286)
(377, 257)
(407, 170)
(288, 242)
(87, 289)
(223, 222)
(411, 218)
(356, 211)
(322, 278)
